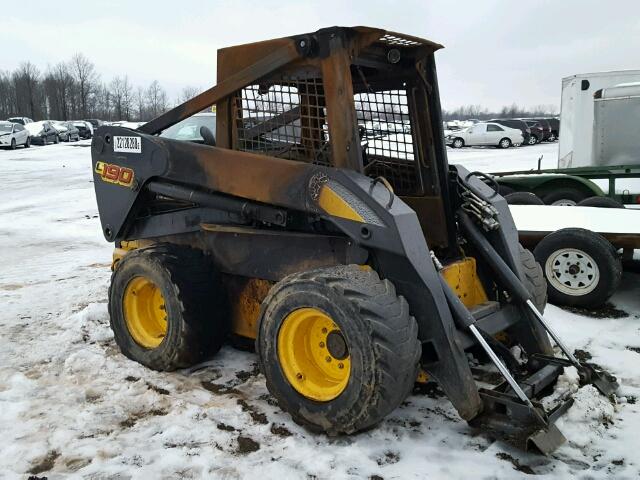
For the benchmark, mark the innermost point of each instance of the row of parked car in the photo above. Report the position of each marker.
(503, 132)
(23, 131)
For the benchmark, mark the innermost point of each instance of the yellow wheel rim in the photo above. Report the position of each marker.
(144, 312)
(313, 354)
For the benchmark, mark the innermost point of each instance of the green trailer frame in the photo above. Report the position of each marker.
(542, 182)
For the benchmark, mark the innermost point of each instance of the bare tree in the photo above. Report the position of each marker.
(156, 99)
(141, 104)
(85, 75)
(28, 97)
(188, 93)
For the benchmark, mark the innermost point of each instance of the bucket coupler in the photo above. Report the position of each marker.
(508, 409)
(589, 374)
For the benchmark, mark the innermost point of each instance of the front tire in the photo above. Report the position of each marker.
(166, 308)
(581, 267)
(27, 143)
(458, 143)
(312, 323)
(533, 140)
(13, 144)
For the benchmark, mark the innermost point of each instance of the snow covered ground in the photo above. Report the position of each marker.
(71, 406)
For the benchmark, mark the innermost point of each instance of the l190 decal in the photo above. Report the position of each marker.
(115, 174)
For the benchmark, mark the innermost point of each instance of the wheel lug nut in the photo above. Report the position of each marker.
(299, 376)
(321, 344)
(341, 365)
(328, 359)
(324, 330)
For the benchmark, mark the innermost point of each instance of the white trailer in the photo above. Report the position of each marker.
(576, 115)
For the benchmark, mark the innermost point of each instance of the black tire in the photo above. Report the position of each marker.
(504, 143)
(533, 140)
(56, 140)
(27, 143)
(196, 307)
(504, 190)
(602, 202)
(534, 278)
(13, 144)
(69, 138)
(564, 196)
(381, 338)
(457, 143)
(604, 267)
(523, 198)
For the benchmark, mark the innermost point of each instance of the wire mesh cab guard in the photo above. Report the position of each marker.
(285, 114)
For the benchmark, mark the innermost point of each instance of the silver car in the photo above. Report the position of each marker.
(485, 133)
(14, 134)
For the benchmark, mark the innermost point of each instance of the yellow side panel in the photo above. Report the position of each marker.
(463, 279)
(246, 295)
(333, 204)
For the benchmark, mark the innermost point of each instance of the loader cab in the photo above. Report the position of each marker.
(365, 100)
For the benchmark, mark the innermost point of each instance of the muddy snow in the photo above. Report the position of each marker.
(71, 406)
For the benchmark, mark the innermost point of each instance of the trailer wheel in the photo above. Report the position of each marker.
(167, 310)
(564, 196)
(581, 267)
(338, 348)
(601, 202)
(523, 198)
(534, 278)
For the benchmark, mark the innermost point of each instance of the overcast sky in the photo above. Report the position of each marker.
(496, 52)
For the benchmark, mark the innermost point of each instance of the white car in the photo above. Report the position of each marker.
(485, 133)
(14, 134)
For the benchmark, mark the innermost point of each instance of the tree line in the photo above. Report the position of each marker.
(479, 112)
(74, 90)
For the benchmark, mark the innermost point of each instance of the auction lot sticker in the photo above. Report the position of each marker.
(127, 144)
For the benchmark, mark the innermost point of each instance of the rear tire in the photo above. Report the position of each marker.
(601, 202)
(56, 140)
(533, 140)
(13, 144)
(194, 306)
(523, 198)
(504, 143)
(564, 196)
(379, 337)
(581, 267)
(27, 143)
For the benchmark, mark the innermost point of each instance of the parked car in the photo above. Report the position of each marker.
(537, 131)
(547, 132)
(189, 128)
(85, 129)
(14, 134)
(95, 123)
(67, 131)
(42, 132)
(485, 133)
(20, 120)
(515, 123)
(555, 127)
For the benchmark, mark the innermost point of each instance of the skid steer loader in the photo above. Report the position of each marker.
(322, 221)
